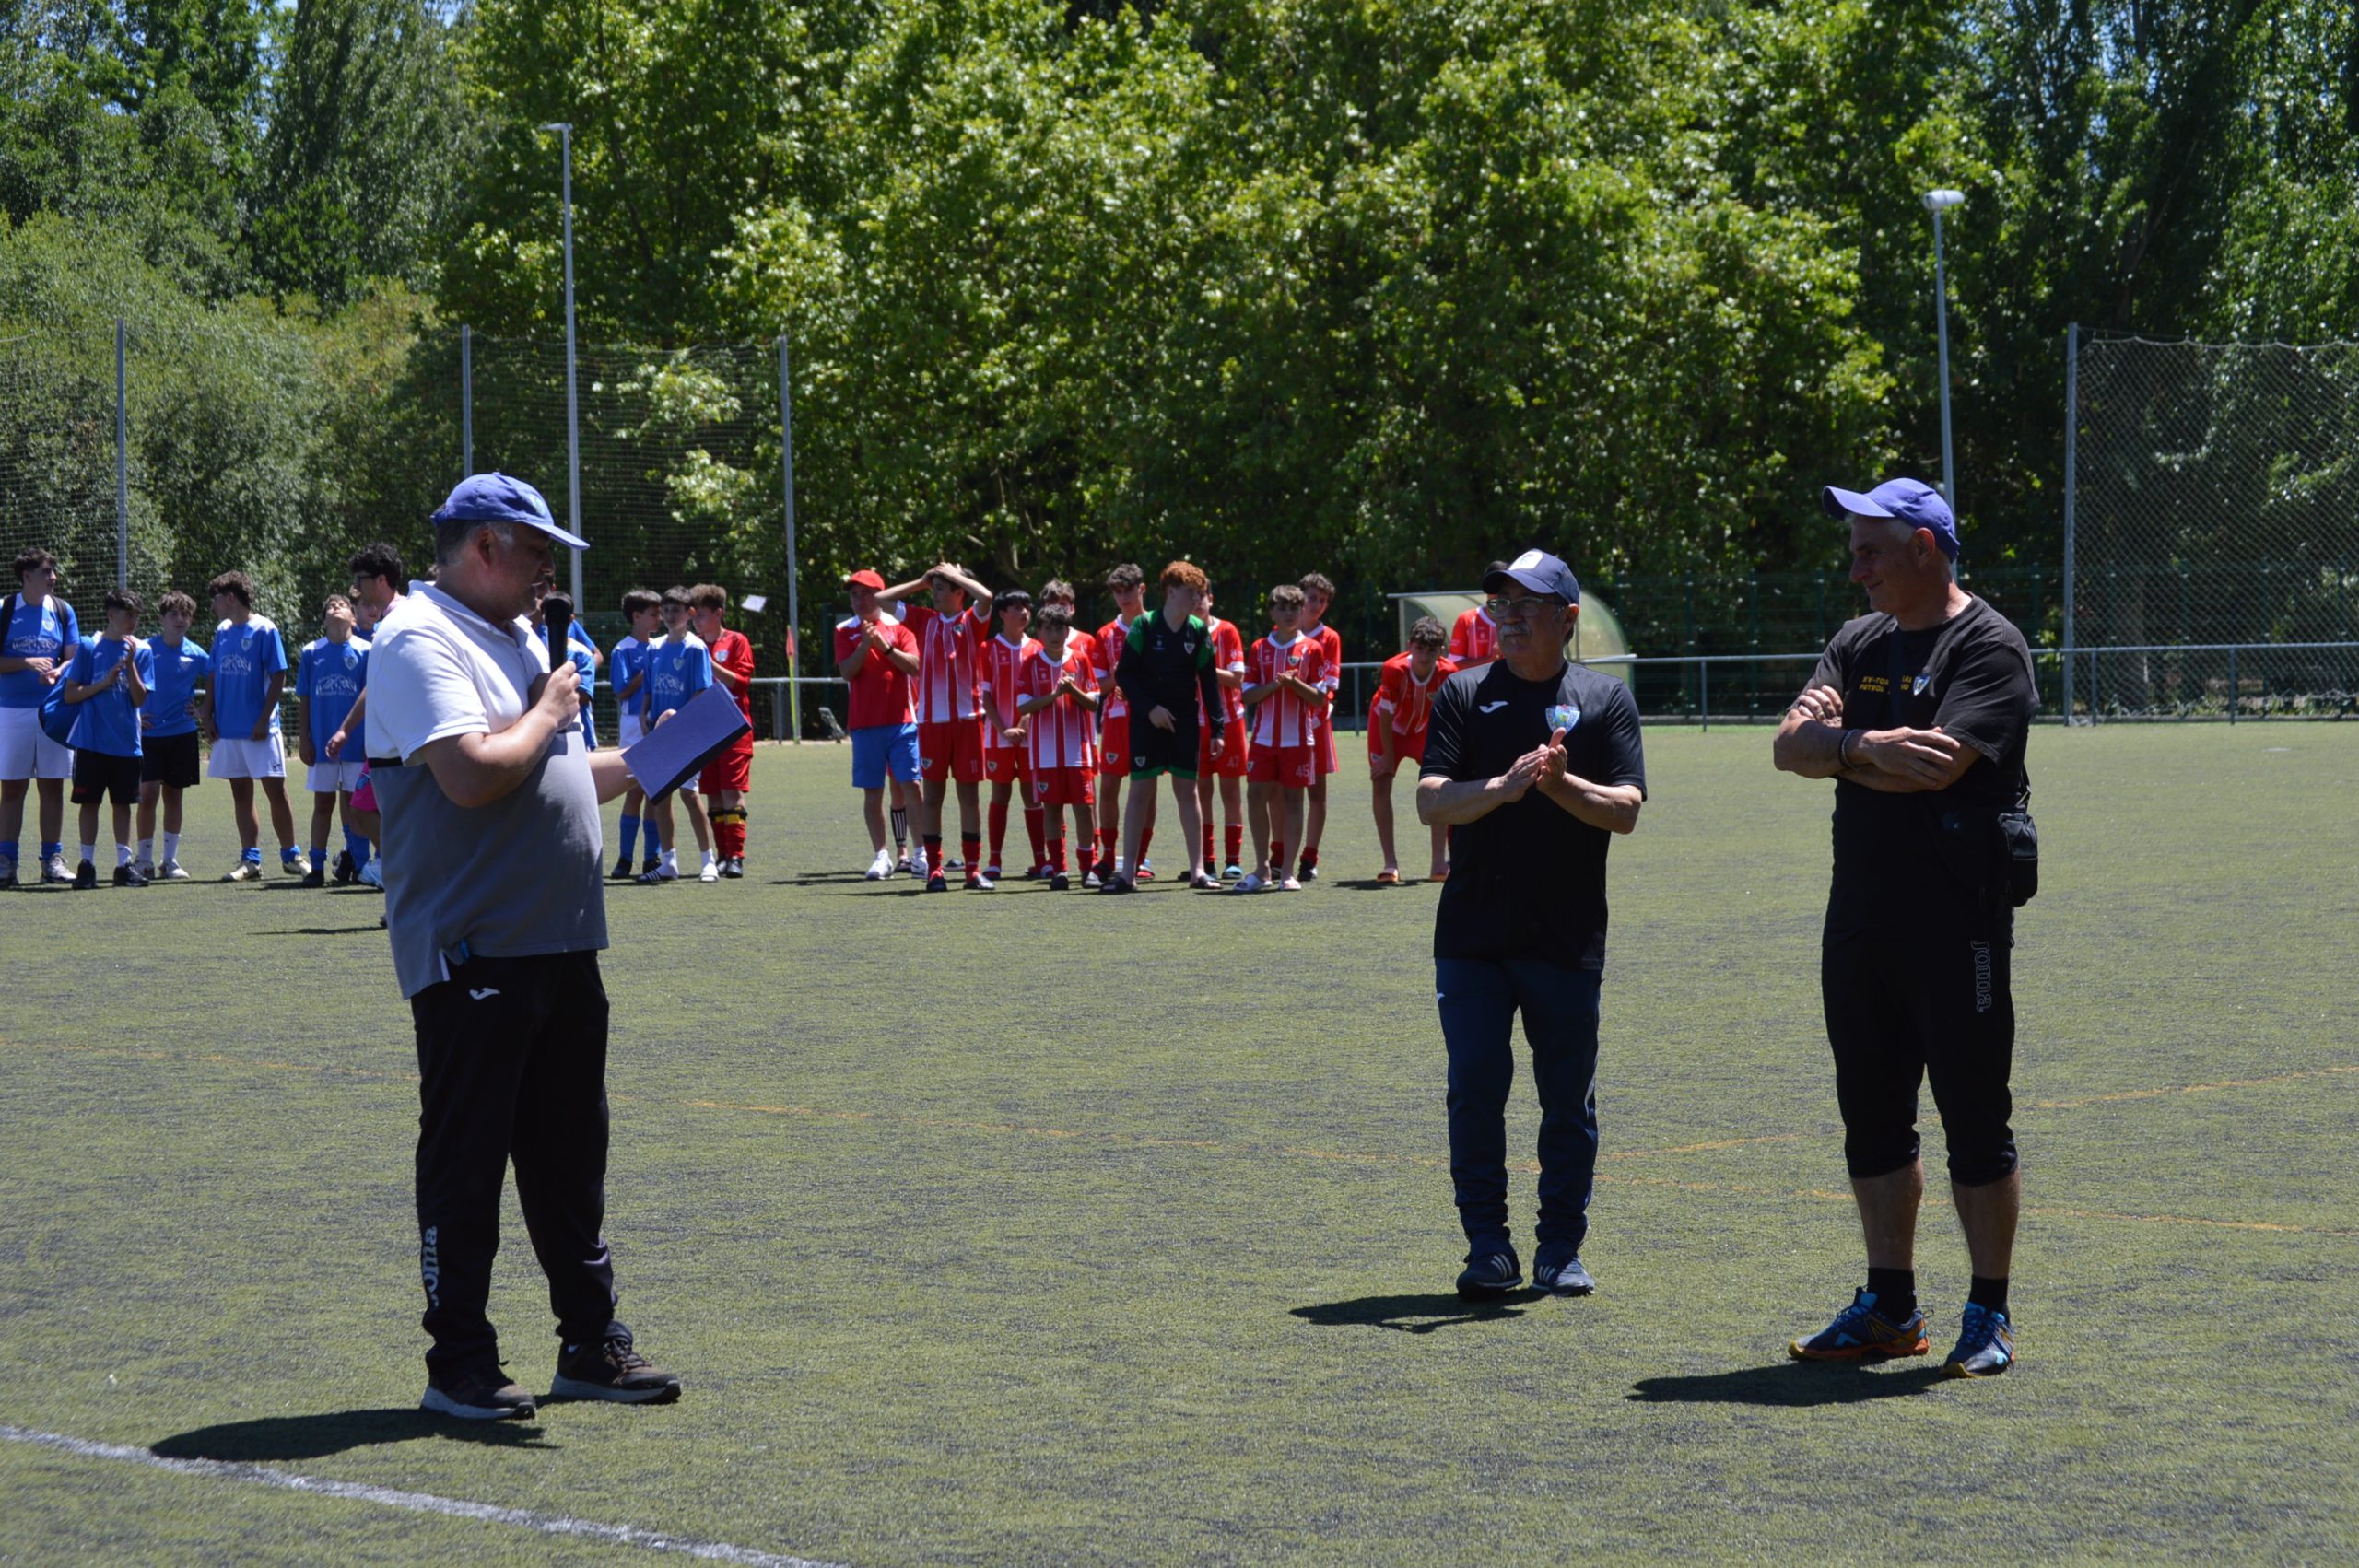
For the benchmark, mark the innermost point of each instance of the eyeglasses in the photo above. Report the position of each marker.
(1518, 609)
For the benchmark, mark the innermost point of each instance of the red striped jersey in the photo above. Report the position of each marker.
(1228, 653)
(949, 649)
(1003, 667)
(1282, 719)
(1475, 638)
(1060, 734)
(1109, 641)
(1403, 701)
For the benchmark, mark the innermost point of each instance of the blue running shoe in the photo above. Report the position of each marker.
(1986, 1345)
(1491, 1274)
(1860, 1333)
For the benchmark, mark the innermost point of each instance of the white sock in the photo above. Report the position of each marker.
(171, 845)
(671, 860)
(90, 852)
(708, 857)
(123, 854)
(148, 852)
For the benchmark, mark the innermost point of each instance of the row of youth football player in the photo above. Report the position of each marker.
(974, 689)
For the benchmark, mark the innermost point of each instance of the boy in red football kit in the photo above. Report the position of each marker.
(1005, 762)
(1475, 638)
(1128, 584)
(729, 776)
(1396, 732)
(1226, 765)
(1285, 676)
(1056, 696)
(1317, 595)
(951, 634)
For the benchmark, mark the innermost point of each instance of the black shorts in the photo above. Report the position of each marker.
(97, 776)
(1924, 1001)
(169, 760)
(1171, 751)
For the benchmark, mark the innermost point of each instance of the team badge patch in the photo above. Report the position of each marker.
(1563, 716)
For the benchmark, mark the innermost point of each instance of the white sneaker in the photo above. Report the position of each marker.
(299, 866)
(373, 874)
(710, 873)
(244, 870)
(1092, 882)
(918, 866)
(881, 867)
(144, 868)
(53, 869)
(172, 871)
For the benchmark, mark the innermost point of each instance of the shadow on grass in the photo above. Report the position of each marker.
(325, 930)
(1370, 884)
(1788, 1383)
(334, 1432)
(1416, 1314)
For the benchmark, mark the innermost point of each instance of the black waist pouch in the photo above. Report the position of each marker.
(1994, 854)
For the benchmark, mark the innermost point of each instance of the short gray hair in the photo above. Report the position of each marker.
(450, 538)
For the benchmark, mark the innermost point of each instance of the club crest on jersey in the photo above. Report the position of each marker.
(1563, 716)
(1919, 687)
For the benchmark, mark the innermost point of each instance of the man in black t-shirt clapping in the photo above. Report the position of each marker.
(1535, 762)
(1920, 711)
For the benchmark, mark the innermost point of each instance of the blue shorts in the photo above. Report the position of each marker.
(879, 746)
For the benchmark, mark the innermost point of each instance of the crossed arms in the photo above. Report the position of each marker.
(1812, 743)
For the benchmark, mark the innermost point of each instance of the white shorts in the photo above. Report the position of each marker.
(248, 759)
(628, 730)
(26, 751)
(334, 778)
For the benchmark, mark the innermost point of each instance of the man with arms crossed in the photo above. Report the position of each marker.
(1920, 711)
(1536, 762)
(497, 906)
(1168, 677)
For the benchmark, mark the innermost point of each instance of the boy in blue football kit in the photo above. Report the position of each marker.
(107, 684)
(627, 670)
(328, 681)
(678, 668)
(168, 760)
(38, 636)
(240, 718)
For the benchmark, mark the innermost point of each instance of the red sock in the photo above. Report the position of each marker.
(1278, 857)
(1208, 844)
(970, 850)
(1235, 834)
(1105, 848)
(1057, 856)
(1310, 857)
(999, 830)
(730, 835)
(1035, 827)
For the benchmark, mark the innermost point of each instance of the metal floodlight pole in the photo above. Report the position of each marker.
(793, 597)
(121, 460)
(2072, 485)
(466, 400)
(1936, 203)
(572, 396)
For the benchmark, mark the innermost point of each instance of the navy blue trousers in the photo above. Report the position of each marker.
(1479, 1000)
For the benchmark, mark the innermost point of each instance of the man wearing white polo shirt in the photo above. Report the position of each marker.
(496, 935)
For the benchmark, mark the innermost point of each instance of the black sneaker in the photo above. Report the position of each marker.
(611, 1370)
(316, 877)
(937, 882)
(346, 871)
(735, 866)
(1117, 884)
(128, 876)
(1564, 1278)
(622, 871)
(1493, 1274)
(1058, 882)
(482, 1393)
(86, 877)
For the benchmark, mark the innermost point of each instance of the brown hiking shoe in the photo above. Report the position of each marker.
(611, 1370)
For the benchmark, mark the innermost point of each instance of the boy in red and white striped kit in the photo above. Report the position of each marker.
(1396, 733)
(1057, 696)
(1475, 638)
(1288, 683)
(1317, 595)
(1223, 767)
(1128, 584)
(951, 634)
(1006, 763)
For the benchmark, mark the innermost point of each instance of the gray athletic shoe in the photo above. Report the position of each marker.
(1562, 1278)
(483, 1393)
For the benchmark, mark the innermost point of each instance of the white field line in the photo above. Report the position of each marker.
(415, 1501)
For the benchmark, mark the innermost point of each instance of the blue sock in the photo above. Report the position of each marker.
(630, 836)
(47, 850)
(286, 856)
(8, 851)
(252, 856)
(357, 846)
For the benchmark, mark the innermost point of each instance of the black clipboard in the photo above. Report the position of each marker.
(677, 749)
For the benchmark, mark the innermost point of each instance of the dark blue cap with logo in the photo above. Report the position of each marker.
(497, 497)
(1539, 571)
(1913, 501)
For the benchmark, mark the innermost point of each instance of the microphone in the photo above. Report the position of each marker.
(557, 616)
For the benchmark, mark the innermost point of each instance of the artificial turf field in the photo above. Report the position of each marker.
(1022, 1228)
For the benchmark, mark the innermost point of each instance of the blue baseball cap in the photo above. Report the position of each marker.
(497, 497)
(1539, 571)
(1913, 501)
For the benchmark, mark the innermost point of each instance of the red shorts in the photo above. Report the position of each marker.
(733, 769)
(1006, 764)
(1405, 748)
(1291, 767)
(951, 749)
(1230, 763)
(1114, 748)
(1326, 746)
(1054, 787)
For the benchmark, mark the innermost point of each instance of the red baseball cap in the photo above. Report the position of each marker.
(864, 579)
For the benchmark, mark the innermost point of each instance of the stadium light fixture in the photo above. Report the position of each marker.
(1937, 202)
(572, 402)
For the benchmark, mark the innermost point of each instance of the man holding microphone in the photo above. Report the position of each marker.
(495, 903)
(1536, 762)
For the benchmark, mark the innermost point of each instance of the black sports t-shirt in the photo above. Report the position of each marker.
(1169, 668)
(1528, 881)
(1970, 677)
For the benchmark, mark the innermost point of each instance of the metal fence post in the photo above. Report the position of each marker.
(1704, 685)
(122, 461)
(466, 400)
(793, 601)
(2072, 456)
(2235, 691)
